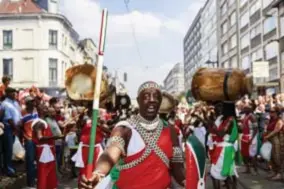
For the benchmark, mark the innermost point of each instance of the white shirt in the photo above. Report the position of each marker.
(71, 139)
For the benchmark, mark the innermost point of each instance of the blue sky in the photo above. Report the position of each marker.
(160, 26)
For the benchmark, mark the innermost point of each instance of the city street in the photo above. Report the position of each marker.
(245, 182)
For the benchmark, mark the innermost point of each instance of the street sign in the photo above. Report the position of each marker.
(260, 69)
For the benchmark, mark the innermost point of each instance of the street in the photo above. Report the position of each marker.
(245, 182)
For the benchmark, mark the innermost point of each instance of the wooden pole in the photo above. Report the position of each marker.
(97, 94)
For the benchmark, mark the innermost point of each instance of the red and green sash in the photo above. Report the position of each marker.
(195, 155)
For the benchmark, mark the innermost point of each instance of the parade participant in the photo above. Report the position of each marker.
(195, 156)
(224, 134)
(81, 156)
(45, 153)
(29, 115)
(272, 134)
(249, 141)
(146, 150)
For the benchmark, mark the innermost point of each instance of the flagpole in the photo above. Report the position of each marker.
(97, 92)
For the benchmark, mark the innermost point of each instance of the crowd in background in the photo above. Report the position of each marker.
(261, 118)
(66, 119)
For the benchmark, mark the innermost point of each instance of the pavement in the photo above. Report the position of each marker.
(245, 181)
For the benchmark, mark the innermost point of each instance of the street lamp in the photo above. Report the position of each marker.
(212, 63)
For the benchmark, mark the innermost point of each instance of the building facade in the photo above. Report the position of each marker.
(279, 5)
(249, 33)
(192, 50)
(174, 82)
(37, 44)
(227, 22)
(209, 49)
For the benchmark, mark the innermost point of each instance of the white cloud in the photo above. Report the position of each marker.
(85, 15)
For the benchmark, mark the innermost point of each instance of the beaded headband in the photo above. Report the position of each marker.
(148, 85)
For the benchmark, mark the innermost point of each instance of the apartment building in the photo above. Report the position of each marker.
(209, 48)
(192, 50)
(37, 44)
(249, 33)
(227, 33)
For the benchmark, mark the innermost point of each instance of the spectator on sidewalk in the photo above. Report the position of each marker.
(12, 121)
(5, 84)
(29, 115)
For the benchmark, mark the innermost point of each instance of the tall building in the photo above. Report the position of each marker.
(174, 82)
(227, 22)
(192, 50)
(279, 5)
(200, 42)
(249, 33)
(37, 44)
(209, 49)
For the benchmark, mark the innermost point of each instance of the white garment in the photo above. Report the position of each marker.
(216, 169)
(46, 154)
(70, 139)
(136, 145)
(78, 157)
(200, 133)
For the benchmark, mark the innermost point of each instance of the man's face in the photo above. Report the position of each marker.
(52, 112)
(57, 107)
(149, 102)
(12, 95)
(7, 83)
(31, 104)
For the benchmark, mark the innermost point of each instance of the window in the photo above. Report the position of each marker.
(223, 9)
(282, 61)
(245, 63)
(62, 42)
(225, 48)
(8, 67)
(245, 41)
(282, 26)
(233, 41)
(255, 31)
(224, 27)
(52, 71)
(255, 7)
(242, 2)
(53, 39)
(7, 39)
(244, 19)
(233, 19)
(271, 50)
(269, 24)
(256, 55)
(234, 62)
(266, 3)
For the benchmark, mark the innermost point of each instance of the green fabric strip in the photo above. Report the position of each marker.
(166, 124)
(114, 174)
(200, 153)
(229, 155)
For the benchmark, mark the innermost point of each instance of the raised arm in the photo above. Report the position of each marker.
(116, 149)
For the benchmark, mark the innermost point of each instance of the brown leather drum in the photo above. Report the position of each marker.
(80, 81)
(216, 84)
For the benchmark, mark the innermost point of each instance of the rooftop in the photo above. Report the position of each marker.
(19, 6)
